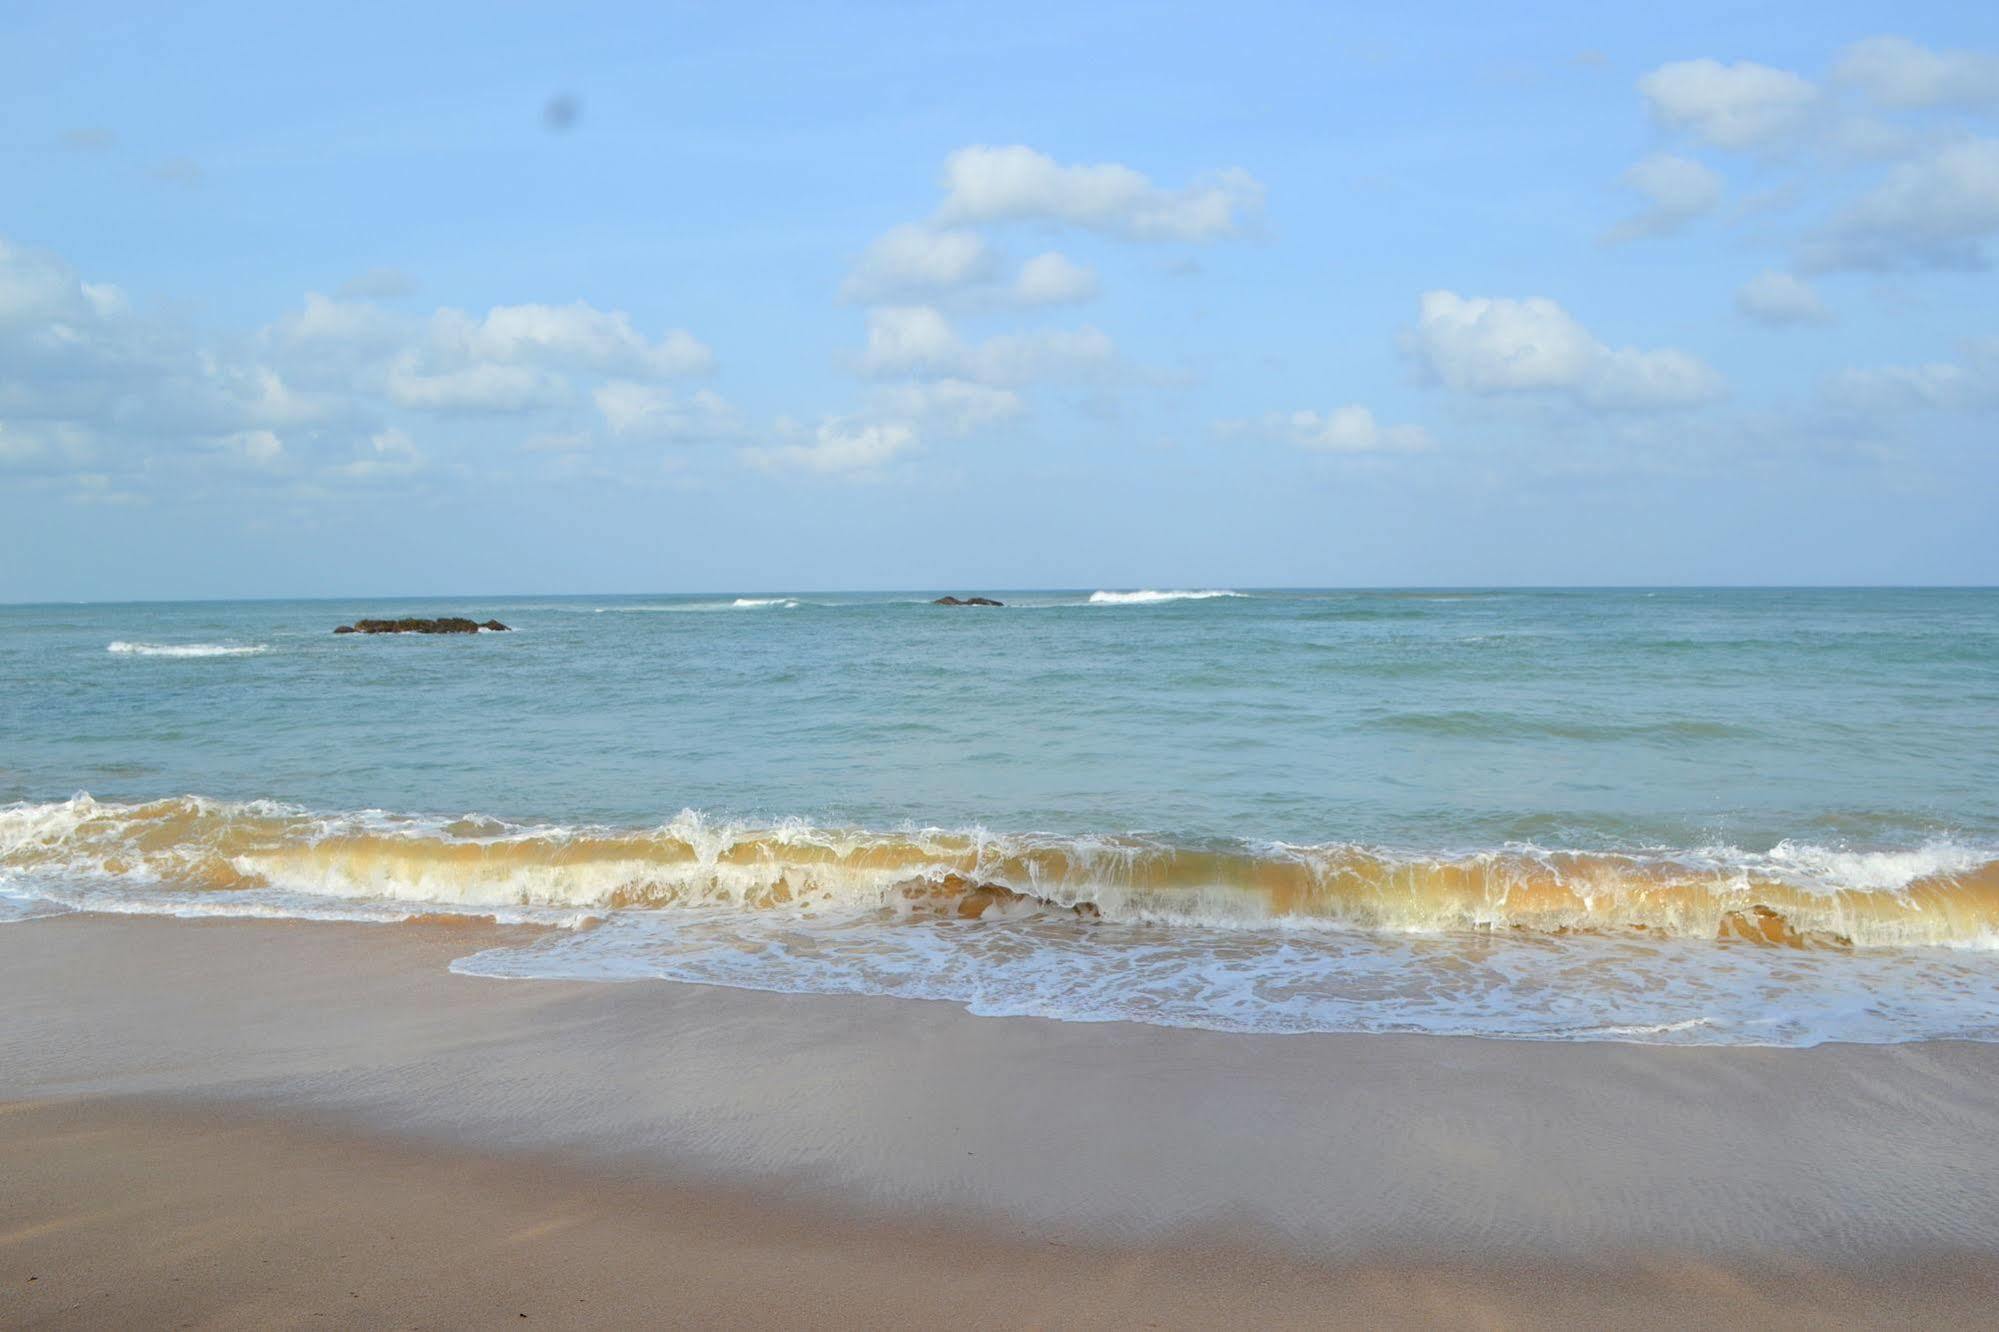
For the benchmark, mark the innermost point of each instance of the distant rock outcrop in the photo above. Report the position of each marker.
(966, 601)
(413, 625)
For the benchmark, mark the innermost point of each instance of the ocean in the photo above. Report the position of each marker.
(1738, 817)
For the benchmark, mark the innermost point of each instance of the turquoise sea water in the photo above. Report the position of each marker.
(1304, 789)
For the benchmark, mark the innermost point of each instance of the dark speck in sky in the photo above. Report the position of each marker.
(560, 113)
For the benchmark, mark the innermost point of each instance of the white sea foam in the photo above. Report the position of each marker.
(697, 607)
(1883, 871)
(1669, 992)
(1148, 596)
(186, 649)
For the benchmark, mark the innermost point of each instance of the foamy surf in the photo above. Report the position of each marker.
(1793, 945)
(123, 648)
(1149, 597)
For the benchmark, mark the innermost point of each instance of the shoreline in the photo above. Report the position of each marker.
(227, 1086)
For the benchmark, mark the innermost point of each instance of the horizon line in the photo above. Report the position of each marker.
(995, 588)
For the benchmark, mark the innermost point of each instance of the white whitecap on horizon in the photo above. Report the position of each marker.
(1148, 596)
(123, 648)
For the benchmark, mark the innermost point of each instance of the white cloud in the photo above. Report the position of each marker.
(1349, 429)
(1499, 346)
(577, 335)
(355, 327)
(838, 446)
(1053, 279)
(79, 366)
(1739, 106)
(87, 384)
(1968, 384)
(1935, 211)
(948, 407)
(1897, 72)
(1779, 299)
(918, 340)
(1677, 190)
(1020, 358)
(915, 260)
(390, 453)
(909, 339)
(38, 288)
(653, 412)
(485, 387)
(988, 184)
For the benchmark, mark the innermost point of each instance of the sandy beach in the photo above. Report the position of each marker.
(272, 1124)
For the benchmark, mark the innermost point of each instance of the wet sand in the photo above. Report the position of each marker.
(281, 1124)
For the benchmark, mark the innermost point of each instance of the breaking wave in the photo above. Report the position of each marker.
(185, 649)
(1791, 945)
(1795, 894)
(1148, 597)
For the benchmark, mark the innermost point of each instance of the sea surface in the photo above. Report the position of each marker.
(1680, 816)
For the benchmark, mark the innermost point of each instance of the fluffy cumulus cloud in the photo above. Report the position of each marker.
(1740, 106)
(88, 386)
(910, 339)
(918, 341)
(1351, 429)
(576, 336)
(337, 390)
(1936, 210)
(1893, 130)
(1780, 299)
(655, 412)
(1896, 72)
(916, 260)
(513, 359)
(1676, 190)
(1495, 346)
(1053, 279)
(1017, 183)
(925, 379)
(838, 446)
(894, 424)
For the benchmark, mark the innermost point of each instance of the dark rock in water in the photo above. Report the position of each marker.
(413, 625)
(967, 601)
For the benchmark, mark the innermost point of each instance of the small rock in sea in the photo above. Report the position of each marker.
(967, 601)
(413, 625)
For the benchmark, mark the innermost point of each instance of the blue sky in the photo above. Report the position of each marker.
(994, 296)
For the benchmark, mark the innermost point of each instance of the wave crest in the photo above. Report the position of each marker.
(186, 649)
(1795, 895)
(1149, 596)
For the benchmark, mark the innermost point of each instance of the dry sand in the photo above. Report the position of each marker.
(280, 1124)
